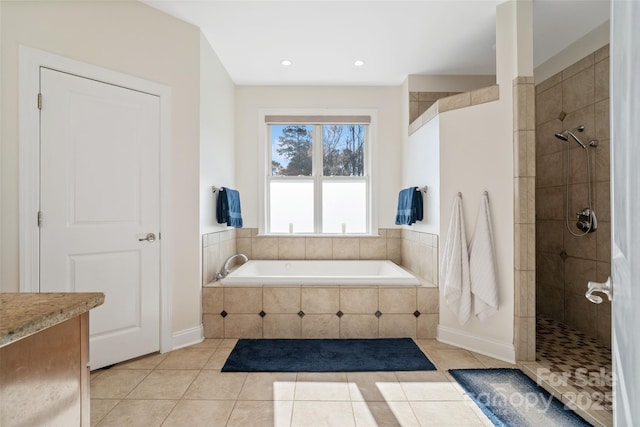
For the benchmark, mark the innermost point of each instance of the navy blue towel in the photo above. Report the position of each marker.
(228, 208)
(409, 206)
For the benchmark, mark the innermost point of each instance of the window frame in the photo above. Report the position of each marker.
(265, 177)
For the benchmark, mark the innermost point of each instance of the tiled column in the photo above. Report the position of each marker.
(524, 212)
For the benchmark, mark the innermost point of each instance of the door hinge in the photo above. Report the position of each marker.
(159, 236)
(39, 101)
(39, 218)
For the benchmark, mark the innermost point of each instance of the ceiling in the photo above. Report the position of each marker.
(323, 38)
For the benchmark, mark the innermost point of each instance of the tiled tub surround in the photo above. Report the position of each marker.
(579, 95)
(216, 248)
(320, 312)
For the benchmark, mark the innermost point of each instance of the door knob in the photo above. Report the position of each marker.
(604, 288)
(149, 238)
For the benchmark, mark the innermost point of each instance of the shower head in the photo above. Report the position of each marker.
(565, 134)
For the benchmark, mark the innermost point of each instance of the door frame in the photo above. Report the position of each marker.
(30, 62)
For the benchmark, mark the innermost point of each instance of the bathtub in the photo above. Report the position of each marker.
(320, 272)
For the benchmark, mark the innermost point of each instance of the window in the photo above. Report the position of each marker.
(317, 181)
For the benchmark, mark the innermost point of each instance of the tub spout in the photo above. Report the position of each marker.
(225, 268)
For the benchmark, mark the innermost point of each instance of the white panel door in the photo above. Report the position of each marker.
(100, 196)
(625, 231)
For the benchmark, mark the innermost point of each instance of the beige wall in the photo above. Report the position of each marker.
(566, 263)
(471, 150)
(217, 131)
(128, 37)
(385, 99)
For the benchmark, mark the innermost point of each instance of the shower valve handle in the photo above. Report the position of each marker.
(604, 288)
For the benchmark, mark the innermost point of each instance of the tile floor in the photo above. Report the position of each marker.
(186, 388)
(574, 368)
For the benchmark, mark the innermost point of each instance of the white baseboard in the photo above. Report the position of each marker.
(187, 337)
(496, 349)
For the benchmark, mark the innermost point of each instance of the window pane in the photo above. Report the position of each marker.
(291, 203)
(344, 203)
(343, 150)
(291, 149)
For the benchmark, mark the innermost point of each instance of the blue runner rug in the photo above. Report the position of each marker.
(327, 355)
(510, 398)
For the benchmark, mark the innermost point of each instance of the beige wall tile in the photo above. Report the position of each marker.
(285, 300)
(550, 270)
(546, 142)
(578, 90)
(550, 204)
(581, 314)
(427, 326)
(358, 300)
(319, 248)
(549, 170)
(397, 325)
(582, 247)
(549, 236)
(394, 233)
(243, 246)
(320, 326)
(431, 96)
(320, 300)
(454, 102)
(243, 326)
(213, 326)
(602, 80)
(485, 94)
(373, 248)
(550, 82)
(578, 272)
(602, 119)
(242, 300)
(548, 104)
(394, 250)
(291, 248)
(243, 232)
(603, 241)
(264, 247)
(603, 201)
(212, 300)
(578, 66)
(346, 248)
(428, 300)
(602, 53)
(397, 300)
(358, 326)
(281, 326)
(603, 161)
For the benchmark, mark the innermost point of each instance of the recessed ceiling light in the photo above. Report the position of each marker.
(286, 62)
(359, 63)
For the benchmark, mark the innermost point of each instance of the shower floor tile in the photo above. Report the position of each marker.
(580, 367)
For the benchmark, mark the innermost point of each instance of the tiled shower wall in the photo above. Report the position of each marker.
(578, 95)
(412, 249)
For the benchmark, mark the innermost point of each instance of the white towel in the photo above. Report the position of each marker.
(482, 264)
(454, 271)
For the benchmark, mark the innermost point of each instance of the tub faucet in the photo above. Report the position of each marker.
(225, 268)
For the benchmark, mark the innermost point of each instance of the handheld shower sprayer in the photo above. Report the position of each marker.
(565, 134)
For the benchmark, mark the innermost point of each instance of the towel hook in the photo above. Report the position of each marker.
(459, 194)
(422, 189)
(215, 189)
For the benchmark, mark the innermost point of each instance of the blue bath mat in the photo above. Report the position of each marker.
(510, 398)
(327, 355)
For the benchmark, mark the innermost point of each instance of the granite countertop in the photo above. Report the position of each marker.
(24, 314)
